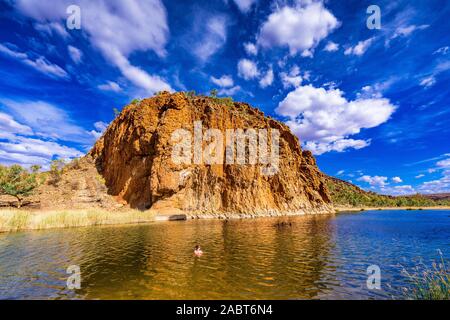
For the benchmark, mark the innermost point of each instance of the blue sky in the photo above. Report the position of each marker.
(372, 104)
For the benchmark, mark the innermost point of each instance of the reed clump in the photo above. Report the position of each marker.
(12, 220)
(429, 283)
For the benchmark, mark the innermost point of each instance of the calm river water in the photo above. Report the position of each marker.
(322, 257)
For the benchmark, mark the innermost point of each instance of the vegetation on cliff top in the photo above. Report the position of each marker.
(346, 194)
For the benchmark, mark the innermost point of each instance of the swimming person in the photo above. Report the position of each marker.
(198, 251)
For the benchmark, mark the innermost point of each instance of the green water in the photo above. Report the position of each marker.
(308, 257)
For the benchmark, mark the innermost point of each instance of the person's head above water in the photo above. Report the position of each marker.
(197, 247)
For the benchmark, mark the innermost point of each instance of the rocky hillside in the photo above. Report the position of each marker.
(135, 158)
(344, 193)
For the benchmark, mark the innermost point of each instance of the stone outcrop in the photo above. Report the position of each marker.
(135, 157)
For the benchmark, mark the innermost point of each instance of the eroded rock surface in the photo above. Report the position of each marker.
(135, 158)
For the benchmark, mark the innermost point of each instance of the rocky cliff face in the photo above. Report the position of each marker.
(136, 158)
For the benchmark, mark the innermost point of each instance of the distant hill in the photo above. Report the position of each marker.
(344, 193)
(438, 196)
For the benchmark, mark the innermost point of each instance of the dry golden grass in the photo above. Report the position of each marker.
(12, 220)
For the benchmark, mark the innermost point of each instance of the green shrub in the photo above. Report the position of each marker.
(18, 182)
(56, 171)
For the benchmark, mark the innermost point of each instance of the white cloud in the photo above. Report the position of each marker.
(444, 164)
(75, 54)
(397, 180)
(443, 50)
(47, 121)
(244, 5)
(223, 82)
(398, 190)
(247, 69)
(299, 28)
(291, 79)
(267, 79)
(331, 46)
(110, 86)
(52, 28)
(229, 91)
(441, 185)
(405, 31)
(9, 125)
(360, 48)
(338, 145)
(375, 181)
(101, 127)
(324, 119)
(419, 176)
(38, 148)
(28, 152)
(17, 148)
(40, 63)
(340, 172)
(251, 49)
(214, 36)
(428, 82)
(117, 29)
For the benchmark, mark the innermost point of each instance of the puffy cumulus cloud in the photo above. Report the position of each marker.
(331, 46)
(229, 91)
(226, 84)
(247, 69)
(398, 190)
(223, 82)
(375, 181)
(325, 119)
(291, 78)
(110, 86)
(360, 48)
(40, 64)
(116, 28)
(214, 35)
(251, 49)
(244, 5)
(75, 54)
(397, 179)
(267, 79)
(100, 127)
(300, 28)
